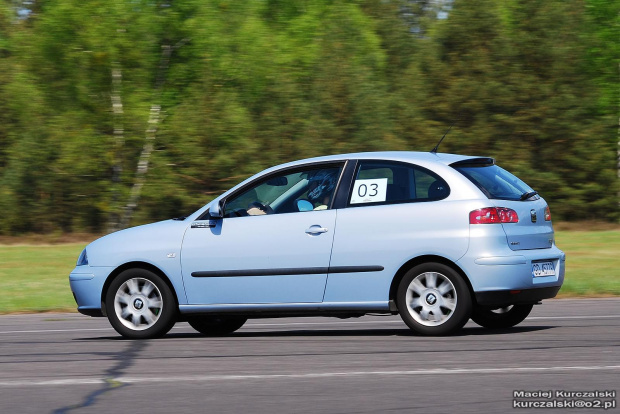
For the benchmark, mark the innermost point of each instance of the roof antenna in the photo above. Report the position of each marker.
(434, 150)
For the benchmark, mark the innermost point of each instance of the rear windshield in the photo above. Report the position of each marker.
(495, 182)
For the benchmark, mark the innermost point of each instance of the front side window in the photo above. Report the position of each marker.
(294, 191)
(378, 182)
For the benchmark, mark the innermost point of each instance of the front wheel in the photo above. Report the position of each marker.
(140, 305)
(216, 325)
(433, 299)
(501, 318)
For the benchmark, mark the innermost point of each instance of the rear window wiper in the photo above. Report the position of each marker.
(527, 195)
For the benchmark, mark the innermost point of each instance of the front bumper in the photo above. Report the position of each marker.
(87, 284)
(98, 313)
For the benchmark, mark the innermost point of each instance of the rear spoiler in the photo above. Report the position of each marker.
(474, 162)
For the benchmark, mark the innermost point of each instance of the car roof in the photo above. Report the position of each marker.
(405, 156)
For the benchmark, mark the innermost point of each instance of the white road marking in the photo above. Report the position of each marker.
(573, 317)
(57, 330)
(310, 375)
(249, 325)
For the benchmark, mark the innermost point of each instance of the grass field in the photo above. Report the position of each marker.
(35, 278)
(592, 264)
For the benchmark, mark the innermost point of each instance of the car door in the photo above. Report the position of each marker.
(273, 244)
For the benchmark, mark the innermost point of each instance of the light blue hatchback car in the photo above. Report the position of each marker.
(438, 238)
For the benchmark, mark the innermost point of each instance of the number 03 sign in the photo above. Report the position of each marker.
(369, 191)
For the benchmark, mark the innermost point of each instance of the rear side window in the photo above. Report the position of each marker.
(495, 182)
(380, 182)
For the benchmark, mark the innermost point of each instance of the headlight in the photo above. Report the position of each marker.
(83, 259)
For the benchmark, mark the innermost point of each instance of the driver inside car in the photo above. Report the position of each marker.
(319, 190)
(255, 210)
(321, 186)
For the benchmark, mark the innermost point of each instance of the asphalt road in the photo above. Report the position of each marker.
(69, 363)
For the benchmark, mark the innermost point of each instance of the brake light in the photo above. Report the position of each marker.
(547, 214)
(507, 215)
(490, 215)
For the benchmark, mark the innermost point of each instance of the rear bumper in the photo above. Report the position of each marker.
(495, 268)
(501, 298)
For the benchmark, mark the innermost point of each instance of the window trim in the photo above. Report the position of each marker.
(287, 170)
(345, 186)
(387, 203)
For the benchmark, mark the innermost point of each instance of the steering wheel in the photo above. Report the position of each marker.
(240, 212)
(264, 208)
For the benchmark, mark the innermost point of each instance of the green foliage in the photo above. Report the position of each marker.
(251, 84)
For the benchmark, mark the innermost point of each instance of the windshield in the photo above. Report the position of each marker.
(495, 182)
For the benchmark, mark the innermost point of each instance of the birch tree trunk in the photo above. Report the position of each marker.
(119, 142)
(151, 133)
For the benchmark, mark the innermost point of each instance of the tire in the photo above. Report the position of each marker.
(433, 299)
(216, 325)
(140, 305)
(500, 318)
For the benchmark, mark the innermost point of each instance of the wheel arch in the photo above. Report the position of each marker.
(420, 260)
(136, 265)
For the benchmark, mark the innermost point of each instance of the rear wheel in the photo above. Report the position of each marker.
(140, 305)
(433, 299)
(216, 325)
(500, 318)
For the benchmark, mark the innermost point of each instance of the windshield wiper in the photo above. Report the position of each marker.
(180, 218)
(527, 195)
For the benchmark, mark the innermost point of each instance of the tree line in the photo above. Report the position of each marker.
(118, 112)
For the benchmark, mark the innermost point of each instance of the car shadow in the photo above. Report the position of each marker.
(480, 331)
(467, 331)
(384, 332)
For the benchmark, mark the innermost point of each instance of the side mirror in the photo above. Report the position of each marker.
(215, 211)
(304, 205)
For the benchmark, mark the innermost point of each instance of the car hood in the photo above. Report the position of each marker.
(149, 243)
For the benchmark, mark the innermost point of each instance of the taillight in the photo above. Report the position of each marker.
(507, 215)
(490, 215)
(547, 214)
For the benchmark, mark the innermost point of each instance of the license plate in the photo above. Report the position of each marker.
(540, 269)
